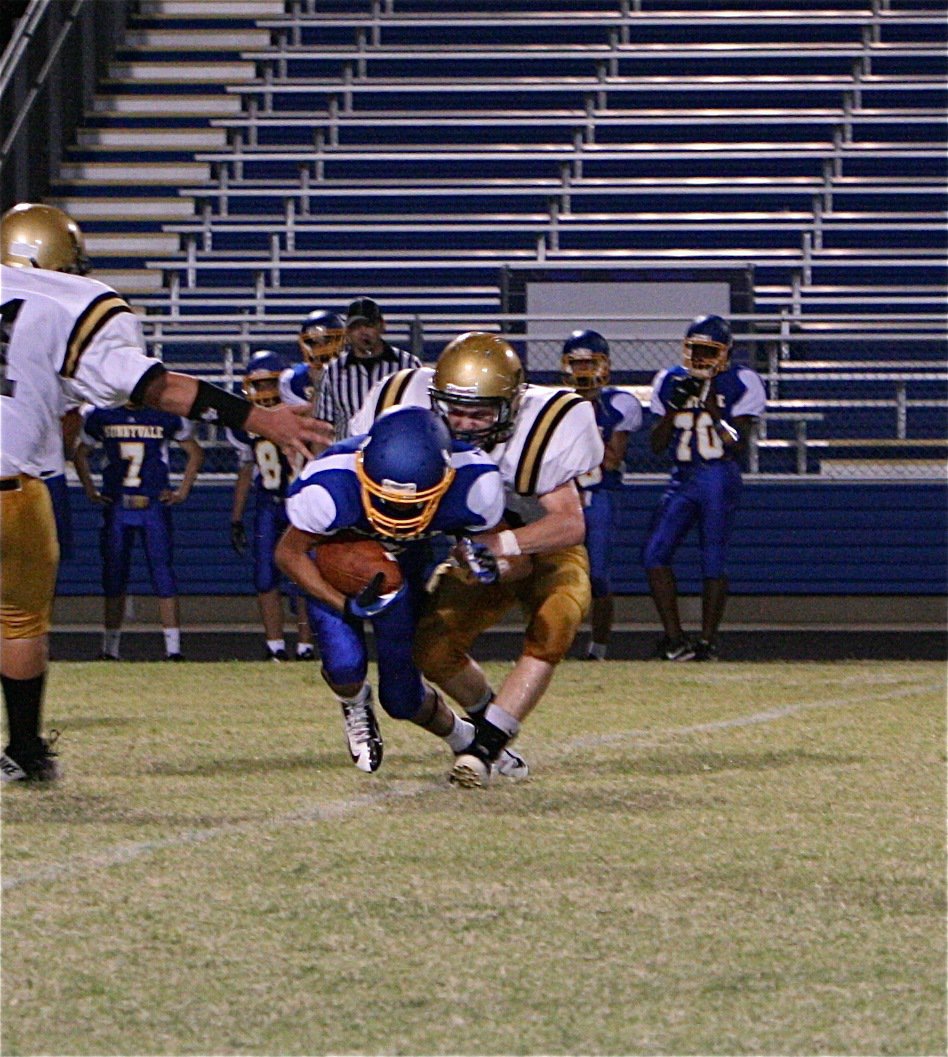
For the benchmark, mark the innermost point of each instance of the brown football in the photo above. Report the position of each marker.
(350, 562)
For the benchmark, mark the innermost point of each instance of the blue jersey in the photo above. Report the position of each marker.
(135, 443)
(273, 472)
(297, 385)
(617, 410)
(327, 497)
(739, 391)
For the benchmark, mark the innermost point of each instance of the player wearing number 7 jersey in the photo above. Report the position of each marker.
(136, 499)
(706, 409)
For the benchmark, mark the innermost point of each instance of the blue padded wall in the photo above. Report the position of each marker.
(797, 538)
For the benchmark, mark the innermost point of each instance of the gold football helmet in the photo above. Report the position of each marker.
(481, 370)
(38, 236)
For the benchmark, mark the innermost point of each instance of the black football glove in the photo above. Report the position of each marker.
(370, 601)
(238, 537)
(683, 390)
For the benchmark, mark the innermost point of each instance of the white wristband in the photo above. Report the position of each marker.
(508, 543)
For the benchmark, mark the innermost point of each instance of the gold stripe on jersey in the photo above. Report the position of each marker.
(393, 389)
(96, 314)
(538, 440)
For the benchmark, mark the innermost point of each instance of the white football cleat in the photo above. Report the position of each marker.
(512, 765)
(362, 734)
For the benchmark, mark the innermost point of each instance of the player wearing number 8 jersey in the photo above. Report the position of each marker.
(706, 409)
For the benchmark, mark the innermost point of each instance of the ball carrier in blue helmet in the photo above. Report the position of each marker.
(706, 409)
(407, 483)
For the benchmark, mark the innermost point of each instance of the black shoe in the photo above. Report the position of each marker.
(306, 655)
(40, 765)
(103, 656)
(705, 651)
(174, 657)
(276, 655)
(675, 650)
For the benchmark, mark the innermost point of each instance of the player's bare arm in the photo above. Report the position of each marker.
(289, 427)
(562, 525)
(292, 555)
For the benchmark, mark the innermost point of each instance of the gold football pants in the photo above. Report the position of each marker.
(554, 598)
(29, 558)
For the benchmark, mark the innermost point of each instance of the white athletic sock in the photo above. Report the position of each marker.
(110, 642)
(276, 644)
(304, 649)
(461, 735)
(172, 640)
(597, 649)
(504, 720)
(364, 695)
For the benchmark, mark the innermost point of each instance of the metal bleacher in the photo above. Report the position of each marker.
(248, 160)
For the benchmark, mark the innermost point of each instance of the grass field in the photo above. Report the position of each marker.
(708, 859)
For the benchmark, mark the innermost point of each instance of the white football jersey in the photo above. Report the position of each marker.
(65, 339)
(555, 437)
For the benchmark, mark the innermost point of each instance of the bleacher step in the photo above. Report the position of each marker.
(171, 173)
(216, 104)
(129, 281)
(184, 73)
(84, 209)
(197, 39)
(207, 9)
(152, 139)
(129, 243)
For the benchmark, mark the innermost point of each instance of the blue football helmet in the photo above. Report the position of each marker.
(321, 337)
(707, 347)
(404, 469)
(261, 383)
(585, 362)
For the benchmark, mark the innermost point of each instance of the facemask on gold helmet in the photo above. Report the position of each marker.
(38, 236)
(479, 371)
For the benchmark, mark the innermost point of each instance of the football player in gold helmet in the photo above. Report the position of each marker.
(68, 339)
(542, 439)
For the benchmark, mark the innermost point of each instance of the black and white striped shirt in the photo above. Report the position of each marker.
(347, 381)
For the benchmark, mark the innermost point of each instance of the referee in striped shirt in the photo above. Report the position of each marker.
(366, 359)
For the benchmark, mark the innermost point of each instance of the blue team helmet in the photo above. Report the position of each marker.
(585, 361)
(261, 383)
(707, 346)
(321, 337)
(404, 469)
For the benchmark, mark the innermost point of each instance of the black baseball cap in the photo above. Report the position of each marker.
(364, 310)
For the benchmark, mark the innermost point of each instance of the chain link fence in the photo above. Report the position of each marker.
(843, 416)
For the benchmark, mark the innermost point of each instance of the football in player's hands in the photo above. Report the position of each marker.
(683, 390)
(350, 563)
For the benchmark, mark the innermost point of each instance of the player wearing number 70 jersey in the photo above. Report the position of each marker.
(706, 409)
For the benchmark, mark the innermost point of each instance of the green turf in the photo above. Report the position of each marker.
(714, 859)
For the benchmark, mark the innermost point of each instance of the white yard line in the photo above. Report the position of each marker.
(338, 809)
